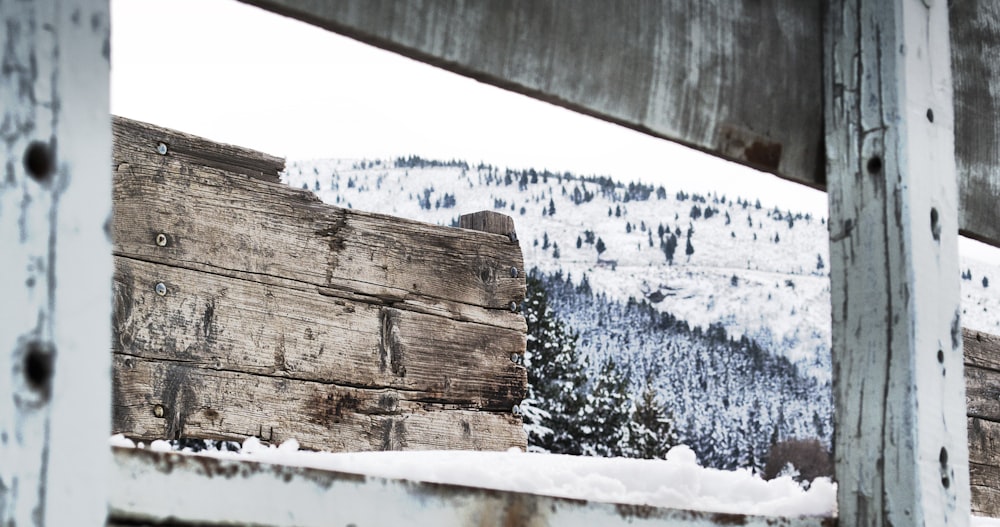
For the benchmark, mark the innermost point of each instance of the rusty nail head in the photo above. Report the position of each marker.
(161, 149)
(158, 411)
(161, 240)
(161, 289)
(513, 272)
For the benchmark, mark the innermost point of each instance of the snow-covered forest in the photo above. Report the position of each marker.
(657, 315)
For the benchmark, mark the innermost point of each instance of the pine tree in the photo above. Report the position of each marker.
(689, 249)
(600, 247)
(651, 430)
(605, 417)
(557, 378)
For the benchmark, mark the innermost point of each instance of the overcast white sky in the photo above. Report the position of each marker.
(240, 75)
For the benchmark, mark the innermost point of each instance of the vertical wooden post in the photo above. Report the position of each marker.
(900, 440)
(55, 283)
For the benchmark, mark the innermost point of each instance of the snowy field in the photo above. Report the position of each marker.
(677, 482)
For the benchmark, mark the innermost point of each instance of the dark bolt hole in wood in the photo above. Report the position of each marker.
(935, 226)
(941, 356)
(38, 366)
(39, 161)
(930, 115)
(875, 165)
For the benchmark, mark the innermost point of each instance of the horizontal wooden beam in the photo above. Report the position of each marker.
(982, 381)
(196, 490)
(739, 80)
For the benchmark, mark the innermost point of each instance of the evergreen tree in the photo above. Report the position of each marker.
(606, 415)
(650, 429)
(579, 242)
(557, 378)
(600, 247)
(689, 249)
(552, 207)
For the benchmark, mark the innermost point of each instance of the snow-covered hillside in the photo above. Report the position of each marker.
(756, 270)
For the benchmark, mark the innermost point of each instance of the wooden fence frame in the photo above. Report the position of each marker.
(890, 165)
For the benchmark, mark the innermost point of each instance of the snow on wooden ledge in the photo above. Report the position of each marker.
(456, 488)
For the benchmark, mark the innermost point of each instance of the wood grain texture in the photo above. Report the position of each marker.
(55, 264)
(706, 74)
(228, 224)
(981, 349)
(900, 425)
(982, 393)
(975, 51)
(156, 399)
(984, 466)
(216, 322)
(245, 307)
(489, 221)
(138, 139)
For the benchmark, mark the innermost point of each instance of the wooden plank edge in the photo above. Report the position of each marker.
(139, 135)
(981, 349)
(194, 489)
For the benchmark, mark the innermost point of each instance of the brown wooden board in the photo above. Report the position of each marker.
(155, 399)
(739, 80)
(984, 466)
(134, 138)
(245, 307)
(217, 322)
(229, 224)
(982, 377)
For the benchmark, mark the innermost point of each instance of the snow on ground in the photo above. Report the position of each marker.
(677, 482)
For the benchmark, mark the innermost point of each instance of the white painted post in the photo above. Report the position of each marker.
(55, 262)
(900, 440)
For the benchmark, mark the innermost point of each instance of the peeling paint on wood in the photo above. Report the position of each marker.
(199, 490)
(900, 431)
(55, 200)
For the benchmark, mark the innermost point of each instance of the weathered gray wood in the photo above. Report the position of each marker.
(137, 139)
(173, 399)
(900, 431)
(981, 349)
(984, 466)
(199, 490)
(218, 222)
(975, 40)
(55, 262)
(982, 393)
(713, 74)
(489, 221)
(217, 322)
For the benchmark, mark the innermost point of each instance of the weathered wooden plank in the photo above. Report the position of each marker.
(982, 393)
(55, 202)
(135, 139)
(489, 221)
(900, 437)
(975, 41)
(984, 466)
(163, 399)
(981, 349)
(217, 322)
(711, 74)
(201, 490)
(206, 219)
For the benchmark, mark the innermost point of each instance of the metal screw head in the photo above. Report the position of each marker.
(158, 411)
(516, 410)
(513, 272)
(513, 307)
(514, 357)
(161, 149)
(513, 236)
(161, 240)
(161, 289)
